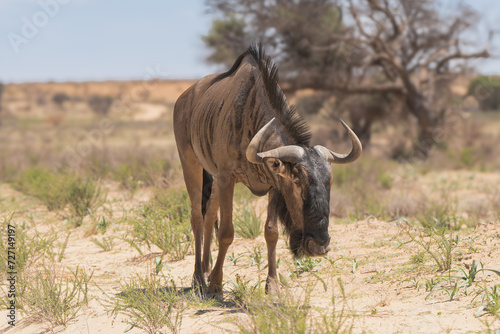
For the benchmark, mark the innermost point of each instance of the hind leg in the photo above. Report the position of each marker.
(193, 177)
(209, 221)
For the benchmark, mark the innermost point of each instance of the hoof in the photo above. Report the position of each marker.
(272, 286)
(214, 288)
(215, 295)
(198, 284)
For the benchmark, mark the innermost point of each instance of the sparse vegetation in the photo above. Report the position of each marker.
(31, 246)
(165, 221)
(84, 196)
(287, 316)
(292, 314)
(56, 190)
(491, 299)
(247, 223)
(438, 242)
(53, 296)
(150, 304)
(106, 243)
(49, 187)
(141, 224)
(127, 178)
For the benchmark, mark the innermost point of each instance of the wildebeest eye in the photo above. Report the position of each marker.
(296, 180)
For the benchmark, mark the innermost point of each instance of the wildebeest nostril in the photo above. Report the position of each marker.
(317, 250)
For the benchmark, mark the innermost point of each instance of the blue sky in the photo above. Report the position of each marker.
(121, 39)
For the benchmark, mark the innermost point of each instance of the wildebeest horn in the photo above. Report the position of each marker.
(337, 158)
(290, 153)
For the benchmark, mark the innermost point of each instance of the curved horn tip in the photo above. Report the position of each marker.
(338, 158)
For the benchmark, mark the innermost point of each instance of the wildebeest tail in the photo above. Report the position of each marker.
(208, 181)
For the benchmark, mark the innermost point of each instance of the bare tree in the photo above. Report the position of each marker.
(415, 48)
(403, 48)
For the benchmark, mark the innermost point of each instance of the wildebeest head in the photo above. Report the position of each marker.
(304, 180)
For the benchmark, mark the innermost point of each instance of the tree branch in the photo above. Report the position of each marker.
(460, 55)
(387, 12)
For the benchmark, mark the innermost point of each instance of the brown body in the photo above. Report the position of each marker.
(238, 127)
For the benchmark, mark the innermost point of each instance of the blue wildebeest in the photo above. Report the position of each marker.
(238, 127)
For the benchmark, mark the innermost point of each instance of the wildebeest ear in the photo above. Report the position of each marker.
(277, 166)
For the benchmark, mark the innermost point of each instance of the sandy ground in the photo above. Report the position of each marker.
(385, 292)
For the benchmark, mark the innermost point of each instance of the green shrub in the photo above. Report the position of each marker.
(106, 244)
(30, 247)
(137, 172)
(56, 190)
(165, 221)
(434, 239)
(291, 314)
(150, 304)
(126, 175)
(47, 186)
(386, 180)
(247, 223)
(52, 296)
(288, 316)
(84, 196)
(487, 92)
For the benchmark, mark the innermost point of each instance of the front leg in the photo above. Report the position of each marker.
(271, 235)
(209, 222)
(225, 234)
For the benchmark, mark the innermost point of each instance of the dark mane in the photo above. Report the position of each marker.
(277, 206)
(233, 69)
(295, 127)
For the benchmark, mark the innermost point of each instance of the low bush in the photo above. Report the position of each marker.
(52, 296)
(165, 221)
(31, 247)
(84, 196)
(487, 92)
(150, 304)
(247, 223)
(46, 185)
(55, 190)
